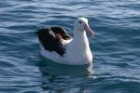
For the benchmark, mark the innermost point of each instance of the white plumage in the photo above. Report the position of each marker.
(78, 50)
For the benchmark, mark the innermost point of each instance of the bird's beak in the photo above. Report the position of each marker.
(88, 30)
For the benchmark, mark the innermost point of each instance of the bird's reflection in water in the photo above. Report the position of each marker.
(47, 66)
(59, 77)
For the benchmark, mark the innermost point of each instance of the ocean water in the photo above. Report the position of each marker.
(115, 46)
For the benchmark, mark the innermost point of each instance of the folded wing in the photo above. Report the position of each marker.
(51, 38)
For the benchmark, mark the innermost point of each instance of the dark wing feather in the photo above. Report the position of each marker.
(50, 41)
(61, 31)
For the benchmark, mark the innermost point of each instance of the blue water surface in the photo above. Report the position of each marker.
(116, 47)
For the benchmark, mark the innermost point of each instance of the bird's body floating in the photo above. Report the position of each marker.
(57, 45)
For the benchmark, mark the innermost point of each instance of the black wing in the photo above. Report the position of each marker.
(51, 39)
(61, 31)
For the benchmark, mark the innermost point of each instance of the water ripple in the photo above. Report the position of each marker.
(115, 46)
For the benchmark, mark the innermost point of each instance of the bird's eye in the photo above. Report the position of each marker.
(80, 22)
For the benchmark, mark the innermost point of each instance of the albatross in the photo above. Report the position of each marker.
(59, 46)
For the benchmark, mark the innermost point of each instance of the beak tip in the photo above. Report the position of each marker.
(89, 31)
(92, 34)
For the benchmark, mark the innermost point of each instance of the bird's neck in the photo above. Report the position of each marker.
(81, 41)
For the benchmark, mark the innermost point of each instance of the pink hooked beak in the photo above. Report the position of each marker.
(88, 30)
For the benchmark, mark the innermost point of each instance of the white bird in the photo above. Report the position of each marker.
(57, 45)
